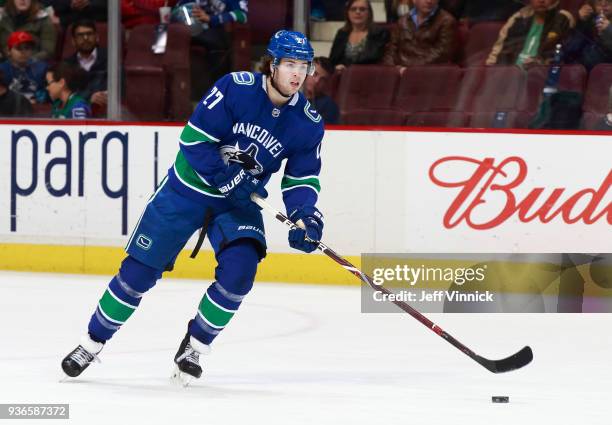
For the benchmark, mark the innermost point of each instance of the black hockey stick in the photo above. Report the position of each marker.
(515, 361)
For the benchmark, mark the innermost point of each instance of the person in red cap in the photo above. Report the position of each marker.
(29, 16)
(22, 73)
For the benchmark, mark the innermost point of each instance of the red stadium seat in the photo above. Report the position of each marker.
(436, 119)
(491, 89)
(266, 17)
(367, 86)
(511, 119)
(572, 6)
(174, 65)
(573, 78)
(480, 41)
(373, 117)
(428, 88)
(591, 120)
(598, 89)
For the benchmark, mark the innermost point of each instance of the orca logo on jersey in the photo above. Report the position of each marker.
(247, 158)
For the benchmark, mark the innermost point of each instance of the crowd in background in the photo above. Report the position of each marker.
(417, 32)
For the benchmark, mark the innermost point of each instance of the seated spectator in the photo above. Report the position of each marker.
(67, 12)
(63, 83)
(22, 73)
(591, 43)
(70, 11)
(12, 104)
(29, 16)
(207, 25)
(138, 12)
(531, 34)
(481, 10)
(425, 36)
(315, 88)
(92, 59)
(360, 41)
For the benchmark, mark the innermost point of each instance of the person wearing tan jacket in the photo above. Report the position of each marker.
(424, 36)
(530, 35)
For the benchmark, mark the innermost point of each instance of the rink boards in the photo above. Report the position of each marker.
(70, 195)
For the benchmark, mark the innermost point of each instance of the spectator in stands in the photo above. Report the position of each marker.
(425, 36)
(208, 19)
(92, 59)
(360, 41)
(315, 90)
(591, 43)
(530, 35)
(63, 83)
(138, 12)
(28, 15)
(12, 104)
(474, 11)
(22, 73)
(70, 11)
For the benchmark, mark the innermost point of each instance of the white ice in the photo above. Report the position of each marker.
(298, 354)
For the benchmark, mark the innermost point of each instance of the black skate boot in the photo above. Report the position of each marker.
(81, 357)
(187, 360)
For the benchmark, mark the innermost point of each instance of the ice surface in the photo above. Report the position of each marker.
(299, 355)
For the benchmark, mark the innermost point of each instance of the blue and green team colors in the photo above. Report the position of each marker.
(236, 122)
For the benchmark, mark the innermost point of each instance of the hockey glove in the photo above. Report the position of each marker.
(313, 228)
(237, 185)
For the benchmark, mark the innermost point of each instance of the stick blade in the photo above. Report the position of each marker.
(515, 361)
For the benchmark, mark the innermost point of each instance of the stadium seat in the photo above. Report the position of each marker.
(173, 67)
(598, 89)
(480, 40)
(373, 117)
(436, 119)
(573, 78)
(512, 119)
(590, 120)
(265, 17)
(428, 88)
(367, 86)
(572, 6)
(491, 89)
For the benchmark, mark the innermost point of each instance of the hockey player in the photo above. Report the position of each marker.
(235, 139)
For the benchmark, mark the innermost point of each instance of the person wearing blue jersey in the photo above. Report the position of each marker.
(237, 137)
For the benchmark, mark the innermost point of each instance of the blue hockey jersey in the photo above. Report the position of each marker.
(236, 121)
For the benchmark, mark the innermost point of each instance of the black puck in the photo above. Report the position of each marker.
(500, 399)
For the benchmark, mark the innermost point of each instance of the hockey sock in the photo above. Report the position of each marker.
(121, 298)
(234, 275)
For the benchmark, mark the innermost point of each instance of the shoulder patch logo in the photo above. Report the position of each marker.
(243, 78)
(311, 112)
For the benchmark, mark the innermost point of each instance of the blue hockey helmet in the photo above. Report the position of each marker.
(293, 45)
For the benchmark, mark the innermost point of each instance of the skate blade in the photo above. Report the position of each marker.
(181, 378)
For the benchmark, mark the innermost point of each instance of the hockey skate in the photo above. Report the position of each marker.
(81, 357)
(187, 360)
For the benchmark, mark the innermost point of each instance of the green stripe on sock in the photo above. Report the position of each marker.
(215, 315)
(114, 309)
(288, 182)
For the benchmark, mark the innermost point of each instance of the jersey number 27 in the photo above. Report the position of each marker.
(217, 98)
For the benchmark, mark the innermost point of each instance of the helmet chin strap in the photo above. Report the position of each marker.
(286, 96)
